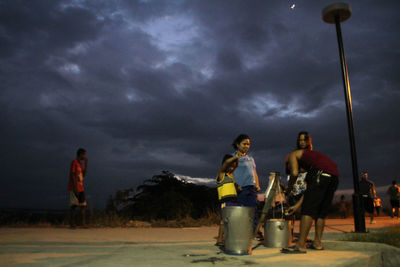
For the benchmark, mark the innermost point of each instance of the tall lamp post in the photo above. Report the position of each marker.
(334, 14)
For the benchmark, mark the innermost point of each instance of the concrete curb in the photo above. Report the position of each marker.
(388, 256)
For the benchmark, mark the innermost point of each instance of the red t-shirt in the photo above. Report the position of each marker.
(76, 170)
(319, 161)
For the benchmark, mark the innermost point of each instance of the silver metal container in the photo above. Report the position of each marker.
(277, 233)
(238, 224)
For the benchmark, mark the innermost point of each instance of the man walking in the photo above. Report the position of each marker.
(322, 181)
(75, 186)
(394, 193)
(368, 193)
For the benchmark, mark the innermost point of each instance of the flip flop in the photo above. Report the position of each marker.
(311, 246)
(293, 250)
(258, 238)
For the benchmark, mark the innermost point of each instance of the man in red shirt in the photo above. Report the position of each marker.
(75, 186)
(322, 181)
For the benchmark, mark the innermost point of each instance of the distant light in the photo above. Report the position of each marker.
(293, 6)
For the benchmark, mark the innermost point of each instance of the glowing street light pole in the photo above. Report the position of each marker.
(334, 14)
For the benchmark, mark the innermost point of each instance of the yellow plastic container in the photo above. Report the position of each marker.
(226, 189)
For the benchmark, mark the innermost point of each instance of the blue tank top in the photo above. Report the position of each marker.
(244, 173)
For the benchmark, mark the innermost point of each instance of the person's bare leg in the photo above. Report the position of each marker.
(83, 212)
(319, 230)
(292, 228)
(305, 226)
(220, 239)
(72, 219)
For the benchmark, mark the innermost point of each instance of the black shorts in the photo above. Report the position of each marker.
(77, 199)
(368, 204)
(319, 194)
(81, 197)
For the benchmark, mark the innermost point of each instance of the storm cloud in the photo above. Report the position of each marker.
(146, 86)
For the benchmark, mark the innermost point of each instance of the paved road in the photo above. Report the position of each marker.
(174, 247)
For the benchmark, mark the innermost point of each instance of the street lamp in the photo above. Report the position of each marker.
(334, 14)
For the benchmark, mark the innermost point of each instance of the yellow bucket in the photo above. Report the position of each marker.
(226, 190)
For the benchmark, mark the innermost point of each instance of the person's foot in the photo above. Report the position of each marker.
(219, 243)
(315, 247)
(296, 238)
(259, 237)
(72, 226)
(293, 250)
(85, 226)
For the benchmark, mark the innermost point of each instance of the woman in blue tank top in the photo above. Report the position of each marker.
(246, 177)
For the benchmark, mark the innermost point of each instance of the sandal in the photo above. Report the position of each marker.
(311, 246)
(293, 250)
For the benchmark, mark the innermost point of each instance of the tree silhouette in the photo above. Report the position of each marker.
(165, 197)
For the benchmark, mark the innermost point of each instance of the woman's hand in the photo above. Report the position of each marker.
(295, 207)
(290, 210)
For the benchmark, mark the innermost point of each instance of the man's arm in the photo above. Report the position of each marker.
(73, 178)
(374, 191)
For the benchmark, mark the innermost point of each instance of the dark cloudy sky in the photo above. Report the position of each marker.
(147, 86)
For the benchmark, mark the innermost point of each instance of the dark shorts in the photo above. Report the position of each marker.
(247, 197)
(368, 204)
(81, 197)
(318, 195)
(394, 203)
(77, 199)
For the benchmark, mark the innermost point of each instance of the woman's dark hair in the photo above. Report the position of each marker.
(307, 136)
(394, 182)
(239, 139)
(80, 152)
(227, 156)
